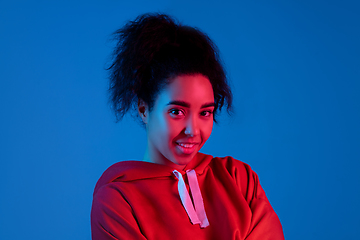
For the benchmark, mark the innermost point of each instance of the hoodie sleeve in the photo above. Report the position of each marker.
(265, 224)
(112, 217)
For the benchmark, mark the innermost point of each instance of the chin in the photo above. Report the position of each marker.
(184, 160)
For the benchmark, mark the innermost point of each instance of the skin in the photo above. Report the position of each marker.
(182, 113)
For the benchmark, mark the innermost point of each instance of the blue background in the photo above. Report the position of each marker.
(295, 73)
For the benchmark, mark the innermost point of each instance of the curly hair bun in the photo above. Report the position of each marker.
(150, 51)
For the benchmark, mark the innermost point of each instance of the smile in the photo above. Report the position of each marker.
(186, 145)
(186, 148)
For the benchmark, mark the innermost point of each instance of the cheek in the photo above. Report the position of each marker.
(157, 128)
(207, 130)
(173, 129)
(165, 129)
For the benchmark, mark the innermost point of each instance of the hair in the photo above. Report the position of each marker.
(153, 49)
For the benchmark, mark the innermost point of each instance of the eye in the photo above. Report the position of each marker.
(206, 113)
(176, 112)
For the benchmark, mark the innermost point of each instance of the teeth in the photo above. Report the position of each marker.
(186, 145)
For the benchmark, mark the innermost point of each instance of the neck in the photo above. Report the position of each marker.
(151, 156)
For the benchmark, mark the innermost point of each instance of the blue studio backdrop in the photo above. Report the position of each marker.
(294, 68)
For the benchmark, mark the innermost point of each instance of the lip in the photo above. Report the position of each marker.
(186, 148)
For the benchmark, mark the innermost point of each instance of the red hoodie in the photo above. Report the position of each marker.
(140, 200)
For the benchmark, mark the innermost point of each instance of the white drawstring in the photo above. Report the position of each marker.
(197, 215)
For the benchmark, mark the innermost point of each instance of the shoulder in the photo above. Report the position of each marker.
(241, 173)
(130, 171)
(233, 166)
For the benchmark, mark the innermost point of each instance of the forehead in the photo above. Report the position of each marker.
(195, 89)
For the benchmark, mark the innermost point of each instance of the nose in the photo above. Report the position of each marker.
(192, 127)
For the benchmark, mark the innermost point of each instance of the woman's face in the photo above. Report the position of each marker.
(180, 122)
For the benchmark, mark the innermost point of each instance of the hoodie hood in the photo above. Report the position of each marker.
(136, 170)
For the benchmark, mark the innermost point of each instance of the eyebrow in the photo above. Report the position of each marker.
(187, 105)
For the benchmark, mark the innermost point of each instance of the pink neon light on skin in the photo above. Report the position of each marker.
(180, 122)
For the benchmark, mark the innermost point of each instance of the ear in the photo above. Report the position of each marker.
(143, 110)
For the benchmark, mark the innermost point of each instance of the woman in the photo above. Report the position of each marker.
(172, 77)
